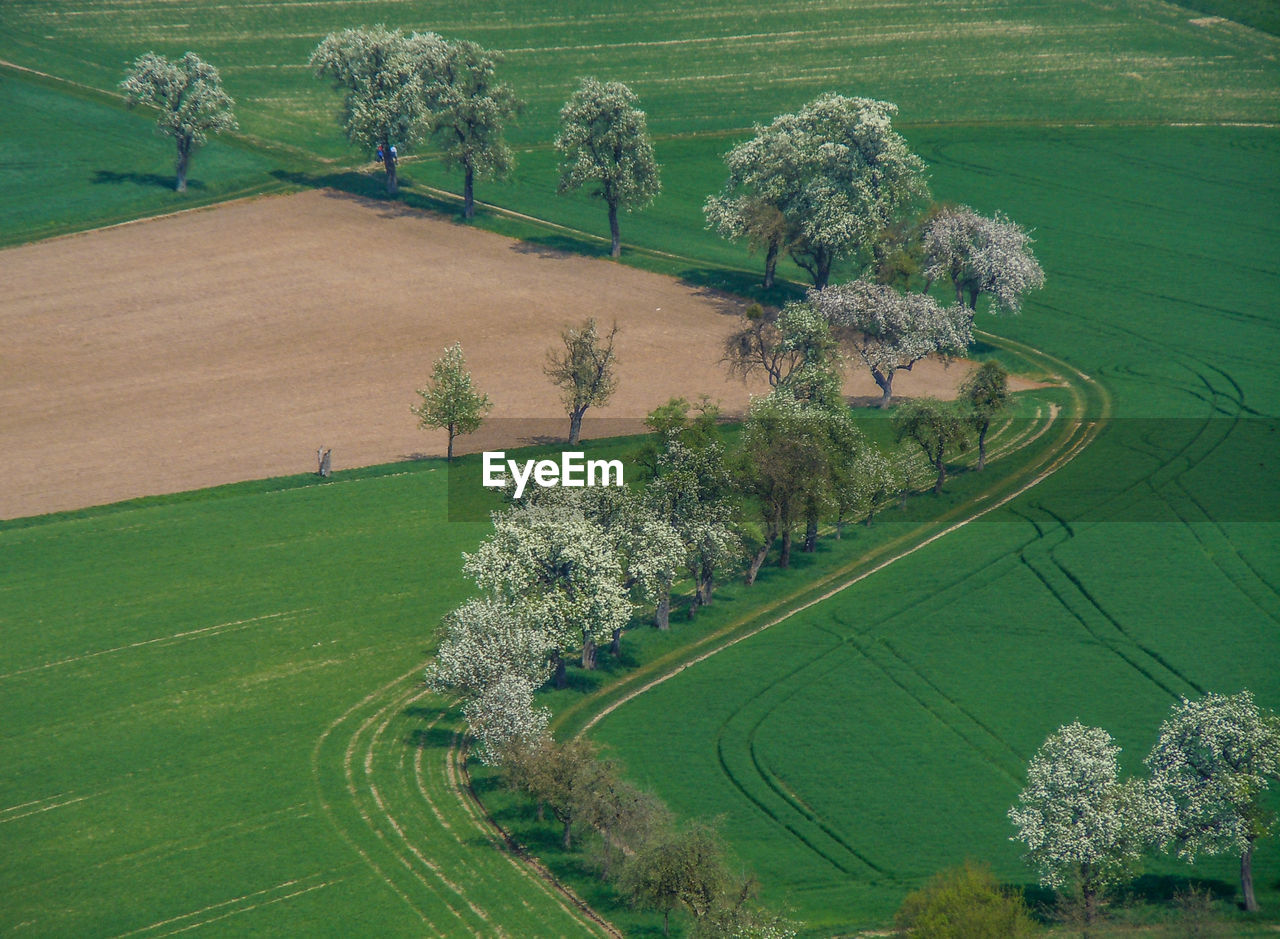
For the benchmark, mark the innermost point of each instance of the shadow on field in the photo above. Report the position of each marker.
(712, 281)
(1163, 888)
(559, 247)
(370, 186)
(155, 180)
(431, 738)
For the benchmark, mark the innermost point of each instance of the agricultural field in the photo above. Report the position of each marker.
(212, 702)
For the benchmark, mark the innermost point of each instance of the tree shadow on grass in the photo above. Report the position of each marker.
(429, 738)
(1162, 888)
(151, 180)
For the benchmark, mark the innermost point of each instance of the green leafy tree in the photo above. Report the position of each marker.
(564, 777)
(604, 143)
(693, 491)
(964, 903)
(685, 868)
(986, 393)
(835, 172)
(938, 427)
(469, 113)
(189, 97)
(1214, 760)
(585, 370)
(784, 465)
(450, 402)
(387, 77)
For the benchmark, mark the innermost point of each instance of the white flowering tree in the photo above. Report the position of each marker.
(469, 113)
(485, 639)
(559, 571)
(386, 76)
(188, 96)
(502, 717)
(647, 546)
(1083, 828)
(835, 173)
(450, 401)
(604, 143)
(1214, 759)
(891, 331)
(981, 255)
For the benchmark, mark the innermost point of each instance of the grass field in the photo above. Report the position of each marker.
(210, 710)
(876, 738)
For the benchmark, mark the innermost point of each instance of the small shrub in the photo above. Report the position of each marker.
(964, 903)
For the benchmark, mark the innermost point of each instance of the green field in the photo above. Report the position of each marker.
(210, 701)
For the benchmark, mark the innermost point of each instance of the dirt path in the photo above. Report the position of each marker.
(228, 344)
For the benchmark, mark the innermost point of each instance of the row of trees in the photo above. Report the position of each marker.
(634, 843)
(1086, 829)
(400, 89)
(829, 183)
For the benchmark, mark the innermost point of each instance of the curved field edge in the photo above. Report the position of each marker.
(1073, 429)
(1063, 435)
(404, 804)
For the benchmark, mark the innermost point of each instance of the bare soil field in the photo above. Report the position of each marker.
(229, 344)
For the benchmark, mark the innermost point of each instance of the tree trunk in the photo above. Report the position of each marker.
(389, 163)
(784, 559)
(184, 158)
(973, 298)
(959, 292)
(452, 434)
(757, 562)
(885, 381)
(468, 193)
(588, 651)
(770, 263)
(615, 647)
(666, 922)
(575, 425)
(811, 533)
(662, 616)
(564, 838)
(616, 250)
(942, 474)
(822, 270)
(1246, 879)
(561, 679)
(982, 446)
(706, 584)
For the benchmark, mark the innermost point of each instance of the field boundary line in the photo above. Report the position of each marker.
(1077, 439)
(216, 629)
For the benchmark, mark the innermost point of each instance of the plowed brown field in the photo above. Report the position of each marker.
(228, 344)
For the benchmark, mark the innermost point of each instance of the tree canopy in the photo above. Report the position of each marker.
(450, 402)
(981, 255)
(604, 143)
(584, 370)
(386, 76)
(189, 98)
(891, 331)
(469, 114)
(823, 182)
(1210, 767)
(1081, 825)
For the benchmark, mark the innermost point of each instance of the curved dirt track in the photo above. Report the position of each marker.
(228, 344)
